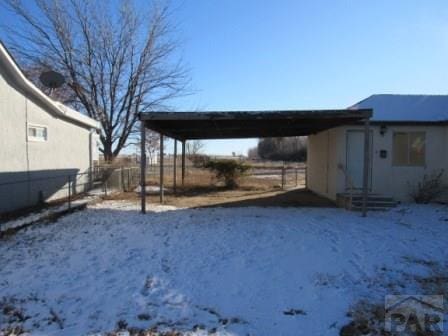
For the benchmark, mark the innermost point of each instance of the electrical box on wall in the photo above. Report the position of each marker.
(383, 153)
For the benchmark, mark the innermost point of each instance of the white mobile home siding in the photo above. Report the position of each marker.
(66, 151)
(328, 149)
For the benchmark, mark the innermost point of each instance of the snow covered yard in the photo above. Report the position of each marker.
(228, 271)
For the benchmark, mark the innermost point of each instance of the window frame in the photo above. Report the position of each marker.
(35, 138)
(408, 149)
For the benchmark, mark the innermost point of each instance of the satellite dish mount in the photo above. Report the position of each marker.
(52, 80)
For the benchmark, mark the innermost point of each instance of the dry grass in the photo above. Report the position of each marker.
(202, 189)
(368, 318)
(200, 178)
(140, 332)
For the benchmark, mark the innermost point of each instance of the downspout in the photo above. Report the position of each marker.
(365, 182)
(91, 158)
(28, 184)
(327, 167)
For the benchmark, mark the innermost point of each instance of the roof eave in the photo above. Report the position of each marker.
(248, 124)
(16, 74)
(234, 115)
(410, 122)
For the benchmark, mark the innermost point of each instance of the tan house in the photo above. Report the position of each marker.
(409, 138)
(44, 144)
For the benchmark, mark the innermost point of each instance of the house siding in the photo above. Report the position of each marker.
(317, 163)
(66, 151)
(324, 152)
(328, 149)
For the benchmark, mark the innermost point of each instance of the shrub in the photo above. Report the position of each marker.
(198, 160)
(429, 188)
(228, 170)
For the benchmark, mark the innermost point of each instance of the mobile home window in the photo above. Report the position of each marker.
(409, 149)
(37, 133)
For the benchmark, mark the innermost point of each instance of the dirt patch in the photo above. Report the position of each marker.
(294, 312)
(15, 313)
(369, 318)
(141, 332)
(172, 328)
(242, 197)
(201, 189)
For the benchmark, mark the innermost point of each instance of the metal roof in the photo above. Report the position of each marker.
(248, 124)
(406, 108)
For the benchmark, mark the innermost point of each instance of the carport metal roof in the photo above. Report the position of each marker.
(248, 124)
(244, 124)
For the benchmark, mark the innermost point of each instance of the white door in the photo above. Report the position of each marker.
(355, 159)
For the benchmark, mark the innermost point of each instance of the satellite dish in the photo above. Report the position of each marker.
(52, 79)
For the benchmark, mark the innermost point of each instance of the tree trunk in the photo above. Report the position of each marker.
(108, 153)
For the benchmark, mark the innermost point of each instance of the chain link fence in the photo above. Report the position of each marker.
(36, 189)
(261, 175)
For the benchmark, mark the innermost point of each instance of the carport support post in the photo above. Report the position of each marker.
(175, 166)
(161, 193)
(143, 166)
(183, 163)
(365, 182)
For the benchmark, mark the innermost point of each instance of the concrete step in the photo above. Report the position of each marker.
(373, 198)
(375, 202)
(386, 204)
(370, 208)
(358, 196)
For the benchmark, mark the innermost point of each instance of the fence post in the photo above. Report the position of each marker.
(297, 176)
(306, 177)
(90, 178)
(161, 164)
(365, 177)
(175, 167)
(122, 179)
(183, 163)
(283, 177)
(69, 192)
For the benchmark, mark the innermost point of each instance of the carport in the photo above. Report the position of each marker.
(210, 125)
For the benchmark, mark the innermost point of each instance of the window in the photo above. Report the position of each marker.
(37, 133)
(409, 149)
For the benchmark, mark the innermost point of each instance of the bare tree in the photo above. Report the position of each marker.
(194, 147)
(252, 153)
(152, 144)
(64, 94)
(117, 62)
(283, 149)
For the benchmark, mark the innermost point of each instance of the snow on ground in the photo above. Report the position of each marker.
(45, 213)
(276, 177)
(150, 190)
(243, 271)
